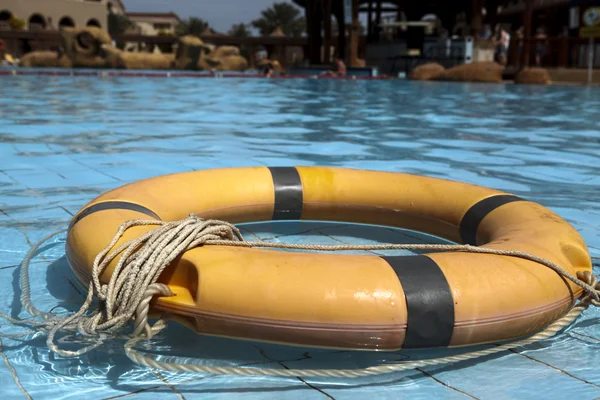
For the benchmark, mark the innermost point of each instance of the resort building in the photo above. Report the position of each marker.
(152, 24)
(400, 34)
(53, 14)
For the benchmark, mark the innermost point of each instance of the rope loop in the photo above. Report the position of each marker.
(592, 297)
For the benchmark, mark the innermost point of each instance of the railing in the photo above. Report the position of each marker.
(54, 36)
(219, 40)
(555, 52)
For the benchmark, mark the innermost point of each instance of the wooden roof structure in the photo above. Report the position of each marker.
(320, 12)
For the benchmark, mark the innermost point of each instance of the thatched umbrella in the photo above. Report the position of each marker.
(278, 32)
(208, 31)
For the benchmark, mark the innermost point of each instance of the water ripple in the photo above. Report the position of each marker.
(65, 140)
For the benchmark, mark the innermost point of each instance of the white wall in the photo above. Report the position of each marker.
(146, 28)
(147, 25)
(80, 11)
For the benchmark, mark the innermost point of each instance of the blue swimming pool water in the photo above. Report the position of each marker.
(63, 141)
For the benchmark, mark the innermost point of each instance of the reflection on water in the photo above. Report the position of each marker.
(66, 140)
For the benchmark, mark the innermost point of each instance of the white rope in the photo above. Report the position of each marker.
(133, 284)
(550, 331)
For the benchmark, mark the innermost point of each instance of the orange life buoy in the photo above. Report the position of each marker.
(346, 301)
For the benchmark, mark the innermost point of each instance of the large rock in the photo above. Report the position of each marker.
(539, 76)
(45, 59)
(78, 61)
(92, 47)
(206, 63)
(115, 58)
(225, 51)
(84, 46)
(233, 63)
(474, 72)
(147, 60)
(190, 40)
(276, 65)
(84, 42)
(426, 72)
(190, 49)
(223, 58)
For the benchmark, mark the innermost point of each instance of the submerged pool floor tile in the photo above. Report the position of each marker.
(66, 140)
(226, 388)
(73, 379)
(514, 376)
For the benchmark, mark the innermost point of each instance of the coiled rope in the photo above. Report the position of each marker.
(133, 284)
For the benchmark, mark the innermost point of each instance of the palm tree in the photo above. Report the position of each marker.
(239, 30)
(193, 26)
(283, 15)
(118, 24)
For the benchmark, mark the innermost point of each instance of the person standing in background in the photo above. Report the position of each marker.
(502, 43)
(541, 45)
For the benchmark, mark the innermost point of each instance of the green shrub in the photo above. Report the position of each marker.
(16, 23)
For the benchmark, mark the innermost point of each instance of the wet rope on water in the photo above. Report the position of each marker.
(133, 284)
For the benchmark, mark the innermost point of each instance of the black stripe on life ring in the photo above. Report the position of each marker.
(429, 301)
(473, 217)
(288, 193)
(112, 205)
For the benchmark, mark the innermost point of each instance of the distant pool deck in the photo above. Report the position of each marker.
(559, 76)
(294, 73)
(66, 139)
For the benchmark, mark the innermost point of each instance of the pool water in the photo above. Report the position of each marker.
(65, 140)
